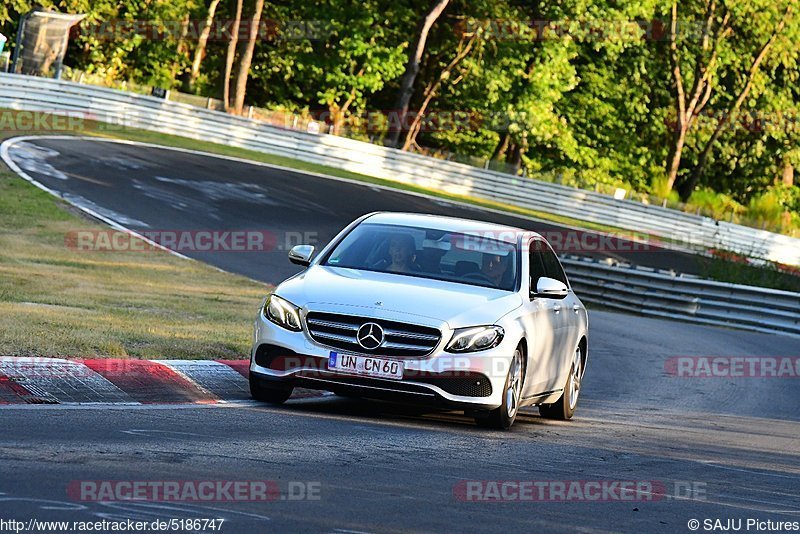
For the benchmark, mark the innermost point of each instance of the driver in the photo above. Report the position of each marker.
(495, 267)
(402, 254)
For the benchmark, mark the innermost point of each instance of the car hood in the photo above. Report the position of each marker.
(397, 297)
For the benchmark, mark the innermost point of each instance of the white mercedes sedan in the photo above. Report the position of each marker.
(446, 312)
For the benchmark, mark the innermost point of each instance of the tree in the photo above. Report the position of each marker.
(688, 186)
(182, 47)
(202, 41)
(412, 67)
(707, 75)
(357, 68)
(247, 57)
(465, 46)
(689, 105)
(231, 56)
(509, 86)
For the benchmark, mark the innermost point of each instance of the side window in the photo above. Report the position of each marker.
(537, 266)
(552, 266)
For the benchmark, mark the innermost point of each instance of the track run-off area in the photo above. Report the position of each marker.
(682, 442)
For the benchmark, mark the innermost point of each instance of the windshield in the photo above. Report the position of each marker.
(427, 253)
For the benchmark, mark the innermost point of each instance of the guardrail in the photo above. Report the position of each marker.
(149, 113)
(689, 298)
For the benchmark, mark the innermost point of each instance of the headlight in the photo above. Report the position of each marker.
(282, 313)
(475, 338)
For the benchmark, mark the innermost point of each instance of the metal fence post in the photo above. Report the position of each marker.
(18, 42)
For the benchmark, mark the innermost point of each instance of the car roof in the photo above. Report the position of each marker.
(508, 234)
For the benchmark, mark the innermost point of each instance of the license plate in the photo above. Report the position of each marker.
(365, 366)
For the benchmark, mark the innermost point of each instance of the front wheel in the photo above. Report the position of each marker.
(265, 392)
(564, 408)
(503, 417)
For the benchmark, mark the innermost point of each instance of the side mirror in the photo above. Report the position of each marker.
(301, 255)
(550, 288)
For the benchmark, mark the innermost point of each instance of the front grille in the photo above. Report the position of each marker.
(400, 339)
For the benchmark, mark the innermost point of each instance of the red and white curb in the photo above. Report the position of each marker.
(125, 381)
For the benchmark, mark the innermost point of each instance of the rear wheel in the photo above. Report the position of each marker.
(503, 417)
(564, 408)
(266, 392)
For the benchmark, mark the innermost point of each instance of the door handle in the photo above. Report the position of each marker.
(576, 308)
(557, 308)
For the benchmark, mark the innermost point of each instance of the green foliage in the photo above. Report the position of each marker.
(357, 62)
(660, 189)
(776, 209)
(105, 47)
(713, 204)
(735, 269)
(787, 196)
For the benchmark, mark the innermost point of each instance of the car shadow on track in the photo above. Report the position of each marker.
(381, 411)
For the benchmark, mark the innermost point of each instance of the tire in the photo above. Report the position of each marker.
(265, 392)
(503, 417)
(564, 407)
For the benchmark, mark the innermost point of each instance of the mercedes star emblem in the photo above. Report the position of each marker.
(370, 336)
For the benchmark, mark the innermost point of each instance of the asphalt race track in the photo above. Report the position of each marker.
(708, 448)
(147, 189)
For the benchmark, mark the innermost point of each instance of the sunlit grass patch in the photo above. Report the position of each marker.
(58, 301)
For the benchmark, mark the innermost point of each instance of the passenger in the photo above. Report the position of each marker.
(494, 267)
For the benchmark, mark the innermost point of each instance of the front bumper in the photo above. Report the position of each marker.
(468, 381)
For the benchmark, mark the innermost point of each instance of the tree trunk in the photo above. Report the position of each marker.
(416, 122)
(787, 176)
(247, 57)
(502, 146)
(182, 49)
(674, 161)
(231, 56)
(412, 66)
(334, 116)
(514, 158)
(202, 41)
(338, 114)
